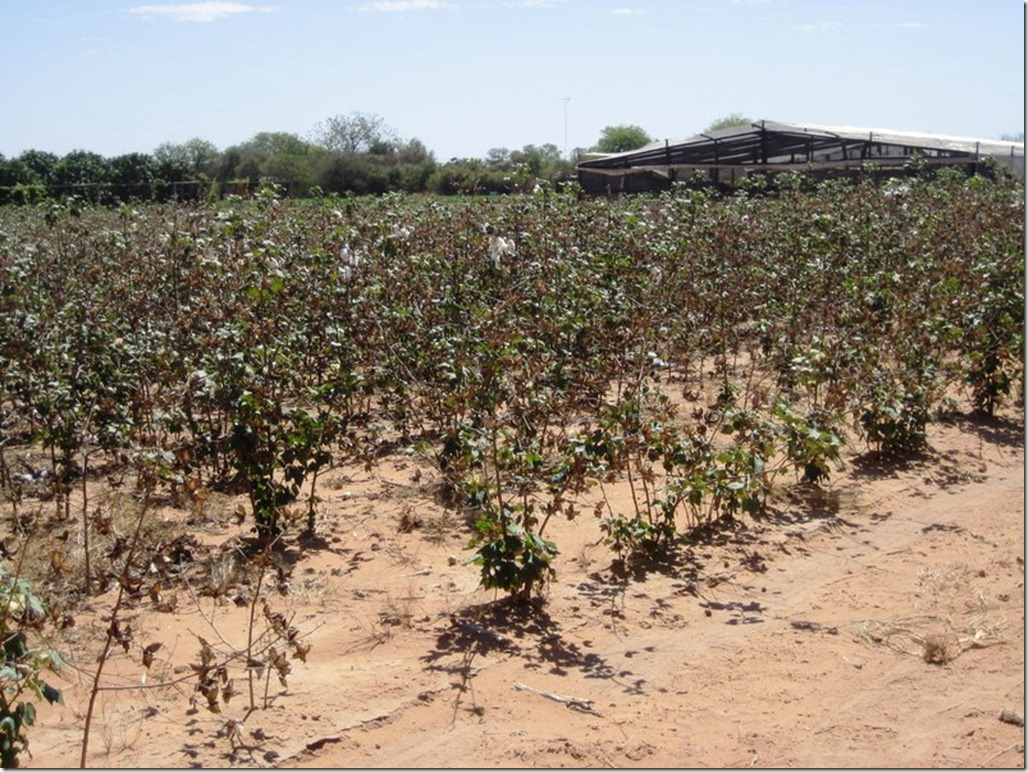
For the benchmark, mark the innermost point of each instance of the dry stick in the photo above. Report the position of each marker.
(85, 521)
(999, 753)
(267, 688)
(249, 631)
(496, 470)
(5, 472)
(313, 503)
(114, 618)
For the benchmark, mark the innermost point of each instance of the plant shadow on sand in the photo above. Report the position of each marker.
(993, 430)
(806, 502)
(948, 468)
(524, 629)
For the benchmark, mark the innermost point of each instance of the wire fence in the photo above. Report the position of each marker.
(114, 192)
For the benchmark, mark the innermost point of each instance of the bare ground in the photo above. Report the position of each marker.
(878, 623)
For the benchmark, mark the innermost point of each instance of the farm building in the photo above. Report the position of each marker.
(727, 156)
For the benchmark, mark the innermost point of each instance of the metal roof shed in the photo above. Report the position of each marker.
(771, 147)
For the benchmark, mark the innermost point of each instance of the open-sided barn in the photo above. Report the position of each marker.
(726, 156)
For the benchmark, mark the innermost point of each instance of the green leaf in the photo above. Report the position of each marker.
(27, 711)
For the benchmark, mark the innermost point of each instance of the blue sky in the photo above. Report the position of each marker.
(465, 76)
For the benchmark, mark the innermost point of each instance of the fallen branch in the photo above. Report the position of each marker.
(477, 630)
(1015, 747)
(575, 703)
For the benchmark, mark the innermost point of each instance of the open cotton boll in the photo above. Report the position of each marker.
(500, 247)
(349, 259)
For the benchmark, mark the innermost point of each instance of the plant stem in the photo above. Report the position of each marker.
(85, 522)
(265, 555)
(95, 690)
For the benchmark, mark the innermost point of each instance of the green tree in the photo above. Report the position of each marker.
(78, 169)
(416, 164)
(497, 155)
(730, 121)
(538, 160)
(197, 156)
(620, 139)
(23, 179)
(133, 176)
(40, 166)
(352, 134)
(276, 155)
(14, 171)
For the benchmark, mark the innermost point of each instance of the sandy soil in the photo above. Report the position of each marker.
(879, 623)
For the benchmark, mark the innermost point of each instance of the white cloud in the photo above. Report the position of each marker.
(201, 12)
(911, 25)
(824, 26)
(625, 12)
(532, 3)
(402, 6)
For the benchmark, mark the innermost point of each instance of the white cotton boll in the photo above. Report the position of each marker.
(896, 188)
(500, 247)
(349, 257)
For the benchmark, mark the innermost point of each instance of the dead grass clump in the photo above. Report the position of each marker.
(938, 649)
(409, 521)
(945, 580)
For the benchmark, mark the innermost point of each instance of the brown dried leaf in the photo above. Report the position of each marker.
(281, 664)
(209, 689)
(301, 650)
(57, 562)
(148, 653)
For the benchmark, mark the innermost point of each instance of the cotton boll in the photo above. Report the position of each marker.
(349, 260)
(500, 247)
(349, 257)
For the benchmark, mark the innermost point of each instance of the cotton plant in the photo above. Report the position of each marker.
(501, 247)
(349, 260)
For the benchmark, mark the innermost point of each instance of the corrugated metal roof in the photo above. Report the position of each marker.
(740, 136)
(913, 138)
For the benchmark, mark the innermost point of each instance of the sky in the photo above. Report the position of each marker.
(468, 76)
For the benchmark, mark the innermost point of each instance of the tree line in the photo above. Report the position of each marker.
(354, 154)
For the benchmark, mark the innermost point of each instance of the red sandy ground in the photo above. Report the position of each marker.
(799, 640)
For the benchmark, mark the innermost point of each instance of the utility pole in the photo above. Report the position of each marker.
(565, 100)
